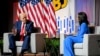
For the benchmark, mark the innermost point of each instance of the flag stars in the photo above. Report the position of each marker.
(23, 2)
(34, 2)
(48, 2)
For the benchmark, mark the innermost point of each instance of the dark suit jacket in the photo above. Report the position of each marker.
(28, 28)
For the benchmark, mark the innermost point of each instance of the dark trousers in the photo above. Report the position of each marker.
(13, 39)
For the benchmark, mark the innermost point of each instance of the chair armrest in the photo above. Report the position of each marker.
(62, 36)
(37, 42)
(91, 44)
(6, 43)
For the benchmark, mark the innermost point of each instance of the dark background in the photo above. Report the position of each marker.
(6, 16)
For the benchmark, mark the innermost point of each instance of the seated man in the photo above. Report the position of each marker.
(21, 32)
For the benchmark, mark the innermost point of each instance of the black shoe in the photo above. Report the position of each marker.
(13, 54)
(21, 54)
(13, 51)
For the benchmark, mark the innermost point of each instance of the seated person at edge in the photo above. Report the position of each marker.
(78, 38)
(20, 32)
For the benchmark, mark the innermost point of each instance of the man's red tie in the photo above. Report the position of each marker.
(22, 32)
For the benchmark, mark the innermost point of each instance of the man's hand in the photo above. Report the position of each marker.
(14, 31)
(25, 33)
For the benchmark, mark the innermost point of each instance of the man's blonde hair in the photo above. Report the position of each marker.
(22, 14)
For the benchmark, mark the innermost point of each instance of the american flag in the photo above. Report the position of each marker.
(50, 18)
(41, 13)
(36, 13)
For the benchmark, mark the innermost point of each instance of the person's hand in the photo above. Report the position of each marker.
(14, 31)
(72, 34)
(25, 32)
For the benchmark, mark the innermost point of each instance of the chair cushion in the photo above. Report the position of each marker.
(78, 45)
(19, 43)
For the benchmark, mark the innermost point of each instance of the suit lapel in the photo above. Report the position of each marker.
(26, 27)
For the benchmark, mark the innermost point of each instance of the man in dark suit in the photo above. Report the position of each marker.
(21, 31)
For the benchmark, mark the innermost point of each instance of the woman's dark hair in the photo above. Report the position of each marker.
(82, 17)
